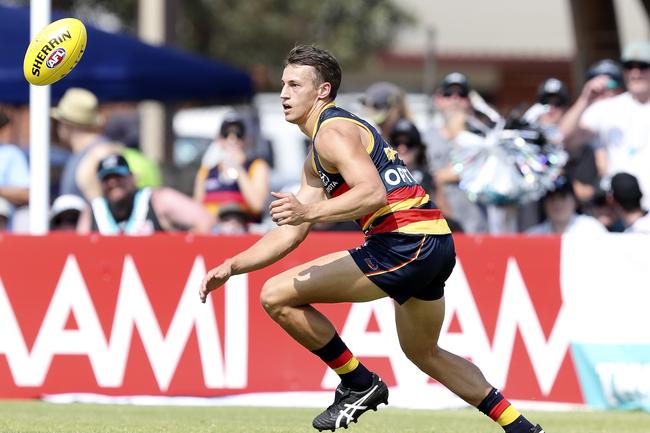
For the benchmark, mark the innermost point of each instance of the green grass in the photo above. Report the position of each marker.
(39, 417)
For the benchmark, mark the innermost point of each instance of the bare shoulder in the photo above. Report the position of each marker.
(337, 137)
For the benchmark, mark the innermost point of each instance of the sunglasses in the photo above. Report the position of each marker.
(238, 133)
(447, 93)
(641, 66)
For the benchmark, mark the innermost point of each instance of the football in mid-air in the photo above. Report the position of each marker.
(54, 51)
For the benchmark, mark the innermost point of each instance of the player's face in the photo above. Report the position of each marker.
(299, 93)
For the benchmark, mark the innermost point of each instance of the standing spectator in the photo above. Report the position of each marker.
(14, 175)
(384, 104)
(561, 208)
(125, 209)
(553, 100)
(229, 174)
(65, 212)
(453, 126)
(626, 196)
(618, 124)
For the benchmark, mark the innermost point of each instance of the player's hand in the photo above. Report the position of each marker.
(287, 209)
(215, 278)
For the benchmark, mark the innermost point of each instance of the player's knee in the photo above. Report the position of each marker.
(272, 298)
(419, 353)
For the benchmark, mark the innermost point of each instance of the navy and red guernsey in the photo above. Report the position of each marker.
(409, 208)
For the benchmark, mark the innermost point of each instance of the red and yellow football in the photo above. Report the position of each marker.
(55, 51)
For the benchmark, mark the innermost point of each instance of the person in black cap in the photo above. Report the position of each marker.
(124, 209)
(406, 140)
(454, 125)
(626, 196)
(229, 173)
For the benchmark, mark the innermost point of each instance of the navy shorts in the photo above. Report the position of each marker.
(407, 265)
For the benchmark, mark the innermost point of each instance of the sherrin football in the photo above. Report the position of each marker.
(54, 51)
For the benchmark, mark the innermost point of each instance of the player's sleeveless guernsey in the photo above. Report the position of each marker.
(409, 208)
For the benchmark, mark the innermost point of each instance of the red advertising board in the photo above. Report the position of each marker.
(121, 316)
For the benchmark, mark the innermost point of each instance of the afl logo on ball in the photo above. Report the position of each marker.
(54, 59)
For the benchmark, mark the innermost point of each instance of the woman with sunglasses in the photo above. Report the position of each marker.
(230, 174)
(618, 126)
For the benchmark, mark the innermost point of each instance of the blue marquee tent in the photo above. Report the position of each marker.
(117, 67)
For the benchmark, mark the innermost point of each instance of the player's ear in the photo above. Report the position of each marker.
(324, 90)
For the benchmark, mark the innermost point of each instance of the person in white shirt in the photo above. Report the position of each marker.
(618, 125)
(560, 207)
(626, 198)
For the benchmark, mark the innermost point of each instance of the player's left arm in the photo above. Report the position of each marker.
(339, 146)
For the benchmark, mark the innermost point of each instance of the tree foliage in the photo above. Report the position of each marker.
(251, 33)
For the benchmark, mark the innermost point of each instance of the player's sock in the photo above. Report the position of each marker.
(500, 410)
(339, 358)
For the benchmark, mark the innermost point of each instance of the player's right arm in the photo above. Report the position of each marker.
(273, 245)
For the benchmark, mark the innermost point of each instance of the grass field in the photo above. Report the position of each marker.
(39, 417)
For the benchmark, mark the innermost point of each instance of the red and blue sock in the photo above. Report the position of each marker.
(338, 357)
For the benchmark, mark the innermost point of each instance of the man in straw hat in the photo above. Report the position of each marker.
(78, 127)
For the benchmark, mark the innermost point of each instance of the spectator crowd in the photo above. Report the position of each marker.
(108, 186)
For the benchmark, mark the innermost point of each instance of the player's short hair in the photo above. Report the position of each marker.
(327, 67)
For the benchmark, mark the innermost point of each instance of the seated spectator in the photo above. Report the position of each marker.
(601, 208)
(14, 174)
(626, 196)
(384, 104)
(125, 209)
(229, 174)
(561, 209)
(406, 140)
(65, 212)
(232, 219)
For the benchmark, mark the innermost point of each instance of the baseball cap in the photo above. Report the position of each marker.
(625, 188)
(636, 52)
(66, 202)
(456, 79)
(113, 164)
(233, 118)
(232, 209)
(607, 67)
(552, 88)
(405, 127)
(381, 95)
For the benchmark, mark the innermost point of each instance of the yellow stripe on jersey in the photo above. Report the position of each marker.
(394, 207)
(313, 133)
(429, 227)
(348, 366)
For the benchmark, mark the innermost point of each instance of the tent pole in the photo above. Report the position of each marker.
(39, 135)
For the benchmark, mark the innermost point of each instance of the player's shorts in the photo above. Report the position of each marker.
(407, 265)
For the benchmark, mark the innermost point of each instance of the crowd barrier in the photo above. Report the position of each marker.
(548, 320)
